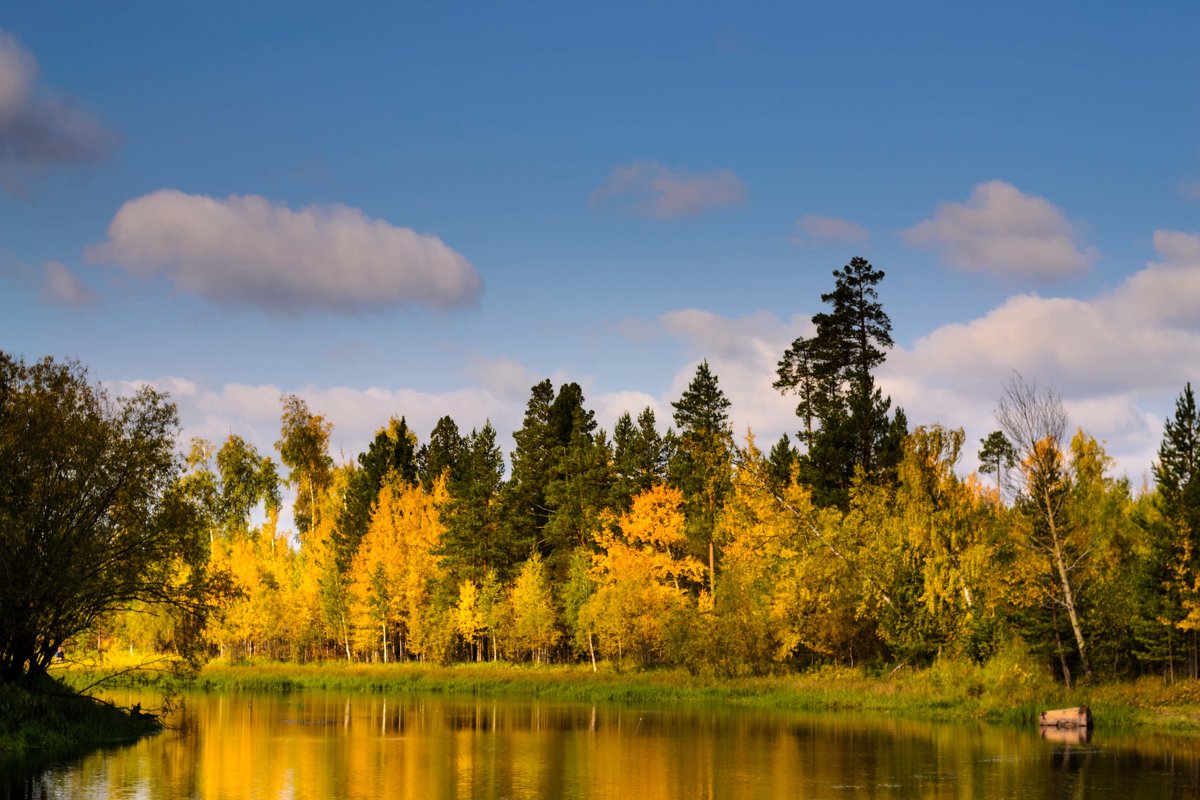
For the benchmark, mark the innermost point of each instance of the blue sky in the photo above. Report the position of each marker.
(422, 209)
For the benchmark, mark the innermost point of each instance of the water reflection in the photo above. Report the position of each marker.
(334, 745)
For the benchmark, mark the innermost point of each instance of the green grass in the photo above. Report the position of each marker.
(1013, 687)
(1005, 690)
(49, 719)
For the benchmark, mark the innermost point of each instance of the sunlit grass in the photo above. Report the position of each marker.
(1011, 688)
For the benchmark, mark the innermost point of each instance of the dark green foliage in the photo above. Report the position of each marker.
(1177, 474)
(702, 464)
(1169, 575)
(568, 415)
(578, 492)
(442, 455)
(846, 422)
(640, 457)
(703, 409)
(561, 473)
(996, 457)
(92, 517)
(532, 466)
(781, 461)
(476, 539)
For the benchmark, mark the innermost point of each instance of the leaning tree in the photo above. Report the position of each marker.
(92, 517)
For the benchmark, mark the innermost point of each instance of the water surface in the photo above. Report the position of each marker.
(343, 745)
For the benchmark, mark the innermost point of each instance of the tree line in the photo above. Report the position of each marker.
(860, 542)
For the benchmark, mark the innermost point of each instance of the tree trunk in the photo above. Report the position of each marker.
(712, 569)
(1060, 564)
(1062, 656)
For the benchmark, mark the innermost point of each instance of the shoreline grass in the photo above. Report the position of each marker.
(48, 720)
(999, 692)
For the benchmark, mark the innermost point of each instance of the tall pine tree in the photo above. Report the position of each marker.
(846, 420)
(702, 465)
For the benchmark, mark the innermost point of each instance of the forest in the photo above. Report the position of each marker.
(856, 541)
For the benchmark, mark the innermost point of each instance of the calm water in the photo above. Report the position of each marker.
(340, 745)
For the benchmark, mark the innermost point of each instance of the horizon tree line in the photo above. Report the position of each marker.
(860, 543)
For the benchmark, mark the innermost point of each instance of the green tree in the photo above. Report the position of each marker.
(442, 455)
(641, 456)
(1177, 477)
(304, 449)
(247, 479)
(578, 492)
(92, 516)
(703, 462)
(846, 422)
(476, 539)
(781, 461)
(532, 466)
(996, 457)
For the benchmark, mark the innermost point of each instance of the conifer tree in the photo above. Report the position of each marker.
(640, 456)
(532, 463)
(997, 456)
(442, 455)
(476, 540)
(1177, 476)
(703, 462)
(846, 422)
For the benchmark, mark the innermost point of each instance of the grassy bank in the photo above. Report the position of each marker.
(48, 719)
(1003, 690)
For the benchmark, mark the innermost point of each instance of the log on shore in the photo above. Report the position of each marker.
(1076, 718)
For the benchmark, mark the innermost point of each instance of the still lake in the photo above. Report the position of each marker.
(346, 745)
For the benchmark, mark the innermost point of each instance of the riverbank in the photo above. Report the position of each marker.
(1002, 691)
(49, 719)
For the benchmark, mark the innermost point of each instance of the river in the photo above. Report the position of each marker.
(324, 745)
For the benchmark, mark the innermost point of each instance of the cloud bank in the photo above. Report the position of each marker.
(649, 189)
(39, 128)
(1004, 231)
(248, 251)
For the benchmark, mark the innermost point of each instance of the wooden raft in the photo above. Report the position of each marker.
(1069, 719)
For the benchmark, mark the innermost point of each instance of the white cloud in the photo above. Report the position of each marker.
(1002, 230)
(743, 353)
(246, 250)
(652, 190)
(61, 287)
(609, 407)
(1119, 359)
(38, 128)
(833, 229)
(1167, 290)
